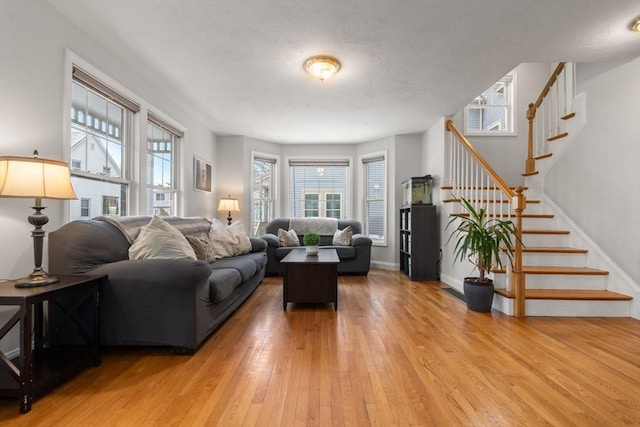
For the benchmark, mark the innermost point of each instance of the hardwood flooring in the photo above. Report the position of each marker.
(396, 353)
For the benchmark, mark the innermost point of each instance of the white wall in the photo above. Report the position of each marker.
(32, 115)
(597, 180)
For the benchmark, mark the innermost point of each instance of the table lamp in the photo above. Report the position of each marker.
(229, 204)
(33, 177)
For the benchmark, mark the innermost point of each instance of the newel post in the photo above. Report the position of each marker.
(517, 275)
(530, 165)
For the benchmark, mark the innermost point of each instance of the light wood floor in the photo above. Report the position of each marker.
(396, 353)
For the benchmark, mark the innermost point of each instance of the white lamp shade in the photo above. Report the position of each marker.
(32, 177)
(228, 204)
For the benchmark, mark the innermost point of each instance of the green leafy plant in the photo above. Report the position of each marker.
(481, 239)
(311, 239)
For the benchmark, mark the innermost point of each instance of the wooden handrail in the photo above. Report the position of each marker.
(530, 163)
(547, 87)
(450, 126)
(518, 204)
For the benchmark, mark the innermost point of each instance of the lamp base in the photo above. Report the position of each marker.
(34, 280)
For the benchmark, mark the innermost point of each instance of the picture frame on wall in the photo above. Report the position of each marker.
(201, 174)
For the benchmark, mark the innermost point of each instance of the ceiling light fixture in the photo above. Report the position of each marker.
(636, 25)
(321, 67)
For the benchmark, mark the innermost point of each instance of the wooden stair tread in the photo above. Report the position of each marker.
(525, 215)
(551, 269)
(554, 250)
(568, 294)
(530, 173)
(525, 231)
(568, 116)
(556, 137)
(492, 187)
(529, 201)
(543, 156)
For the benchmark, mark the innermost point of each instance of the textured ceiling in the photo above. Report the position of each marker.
(404, 63)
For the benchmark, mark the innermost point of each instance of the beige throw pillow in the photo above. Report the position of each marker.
(243, 243)
(159, 240)
(343, 237)
(222, 242)
(288, 238)
(202, 247)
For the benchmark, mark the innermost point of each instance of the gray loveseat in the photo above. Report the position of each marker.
(156, 302)
(354, 259)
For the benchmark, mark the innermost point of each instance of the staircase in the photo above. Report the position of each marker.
(564, 273)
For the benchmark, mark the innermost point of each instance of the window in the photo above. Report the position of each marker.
(99, 159)
(85, 208)
(162, 188)
(319, 188)
(493, 111)
(262, 192)
(374, 187)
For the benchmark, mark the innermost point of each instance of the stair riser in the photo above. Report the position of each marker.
(574, 308)
(545, 240)
(555, 259)
(557, 281)
(566, 308)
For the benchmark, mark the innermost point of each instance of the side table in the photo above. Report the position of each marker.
(43, 364)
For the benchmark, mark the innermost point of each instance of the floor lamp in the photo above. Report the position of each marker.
(33, 177)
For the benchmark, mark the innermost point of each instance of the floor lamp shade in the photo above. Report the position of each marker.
(33, 177)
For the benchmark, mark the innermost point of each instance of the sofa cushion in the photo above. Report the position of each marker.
(342, 237)
(159, 240)
(222, 282)
(243, 264)
(260, 258)
(288, 237)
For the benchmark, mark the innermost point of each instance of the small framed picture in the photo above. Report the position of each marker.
(201, 174)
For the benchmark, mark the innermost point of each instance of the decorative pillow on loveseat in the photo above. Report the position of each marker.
(159, 240)
(343, 237)
(202, 247)
(288, 238)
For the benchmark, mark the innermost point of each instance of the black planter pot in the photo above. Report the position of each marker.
(479, 295)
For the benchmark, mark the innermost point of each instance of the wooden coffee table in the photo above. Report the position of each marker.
(310, 279)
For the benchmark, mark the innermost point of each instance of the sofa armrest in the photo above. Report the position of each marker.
(360, 240)
(272, 240)
(258, 245)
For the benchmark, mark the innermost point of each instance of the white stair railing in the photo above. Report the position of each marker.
(469, 176)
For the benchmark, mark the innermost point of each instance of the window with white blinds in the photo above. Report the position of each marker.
(319, 188)
(375, 192)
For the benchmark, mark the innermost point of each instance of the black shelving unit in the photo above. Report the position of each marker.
(419, 242)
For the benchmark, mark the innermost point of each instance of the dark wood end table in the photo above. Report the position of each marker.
(310, 279)
(41, 366)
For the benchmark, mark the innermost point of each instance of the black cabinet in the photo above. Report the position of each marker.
(419, 242)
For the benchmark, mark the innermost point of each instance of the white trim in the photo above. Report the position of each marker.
(275, 194)
(511, 78)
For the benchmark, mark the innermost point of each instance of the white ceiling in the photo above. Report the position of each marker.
(405, 63)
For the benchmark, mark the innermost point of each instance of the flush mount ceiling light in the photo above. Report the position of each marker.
(636, 25)
(321, 67)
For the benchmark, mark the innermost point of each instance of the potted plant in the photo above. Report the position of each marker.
(311, 240)
(481, 240)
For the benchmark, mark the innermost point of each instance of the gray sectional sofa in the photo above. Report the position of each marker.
(156, 302)
(354, 259)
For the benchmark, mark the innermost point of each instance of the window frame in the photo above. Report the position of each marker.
(135, 160)
(510, 88)
(257, 224)
(347, 208)
(364, 160)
